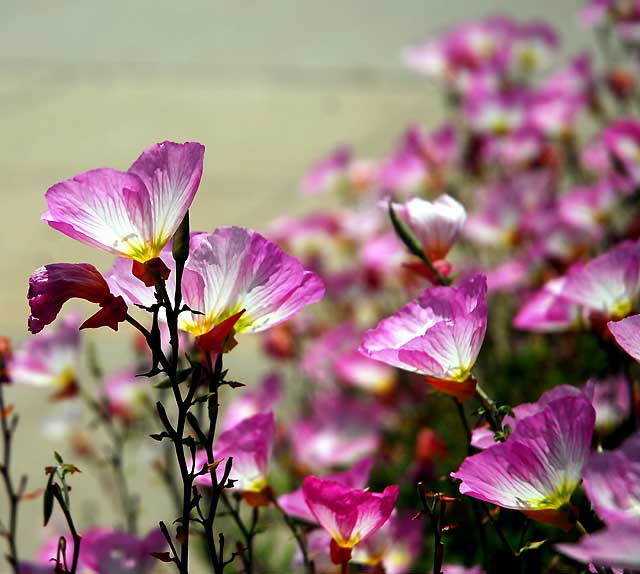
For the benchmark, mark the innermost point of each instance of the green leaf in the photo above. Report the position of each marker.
(57, 456)
(48, 499)
(532, 546)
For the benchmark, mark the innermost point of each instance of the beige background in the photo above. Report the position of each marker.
(266, 86)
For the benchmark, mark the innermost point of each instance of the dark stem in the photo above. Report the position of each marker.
(296, 534)
(77, 539)
(247, 533)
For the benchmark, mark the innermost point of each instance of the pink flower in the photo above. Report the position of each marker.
(49, 359)
(294, 503)
(615, 546)
(459, 569)
(533, 47)
(626, 332)
(126, 394)
(51, 286)
(435, 224)
(235, 269)
(548, 310)
(495, 113)
(439, 335)
(608, 284)
(612, 483)
(260, 399)
(622, 139)
(537, 468)
(250, 443)
(326, 175)
(348, 515)
(610, 397)
(114, 552)
(132, 213)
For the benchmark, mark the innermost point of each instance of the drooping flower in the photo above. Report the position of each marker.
(612, 483)
(439, 335)
(51, 286)
(50, 359)
(235, 269)
(613, 547)
(538, 467)
(250, 443)
(609, 284)
(348, 515)
(626, 332)
(132, 213)
(294, 503)
(435, 224)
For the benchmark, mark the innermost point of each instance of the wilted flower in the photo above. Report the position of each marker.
(540, 464)
(348, 515)
(132, 213)
(51, 286)
(439, 335)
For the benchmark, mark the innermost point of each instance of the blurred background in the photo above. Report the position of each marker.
(267, 87)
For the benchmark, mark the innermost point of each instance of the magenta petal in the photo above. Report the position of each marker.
(626, 332)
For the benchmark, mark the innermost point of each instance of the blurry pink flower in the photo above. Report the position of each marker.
(51, 286)
(608, 284)
(113, 552)
(235, 269)
(132, 213)
(615, 546)
(348, 515)
(439, 335)
(612, 483)
(459, 569)
(49, 359)
(360, 371)
(610, 397)
(626, 332)
(295, 505)
(405, 172)
(495, 112)
(435, 224)
(532, 48)
(548, 310)
(327, 174)
(126, 394)
(538, 467)
(622, 140)
(395, 545)
(250, 402)
(587, 207)
(250, 443)
(318, 543)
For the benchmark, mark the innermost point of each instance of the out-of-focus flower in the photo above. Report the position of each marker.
(608, 285)
(610, 397)
(532, 48)
(395, 545)
(235, 269)
(51, 286)
(439, 336)
(318, 542)
(250, 402)
(496, 113)
(459, 569)
(328, 174)
(435, 224)
(126, 394)
(294, 503)
(626, 332)
(250, 443)
(622, 140)
(538, 467)
(587, 207)
(615, 547)
(5, 358)
(50, 359)
(132, 213)
(547, 310)
(349, 515)
(612, 483)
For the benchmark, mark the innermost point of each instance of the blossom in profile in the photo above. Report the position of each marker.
(294, 503)
(250, 443)
(439, 335)
(349, 515)
(548, 310)
(51, 286)
(608, 285)
(395, 546)
(614, 547)
(235, 269)
(538, 467)
(626, 332)
(50, 359)
(612, 483)
(134, 213)
(328, 173)
(435, 224)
